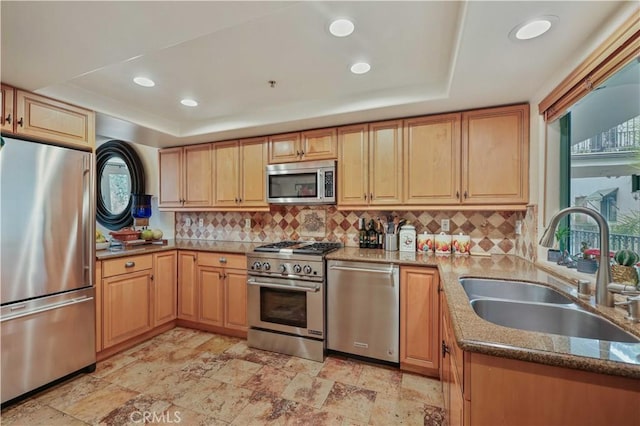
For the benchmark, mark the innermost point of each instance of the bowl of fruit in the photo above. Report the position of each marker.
(101, 241)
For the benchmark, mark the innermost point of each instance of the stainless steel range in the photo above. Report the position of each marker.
(286, 298)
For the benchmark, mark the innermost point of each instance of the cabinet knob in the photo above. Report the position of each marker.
(223, 260)
(236, 199)
(466, 195)
(301, 153)
(365, 196)
(458, 195)
(8, 119)
(239, 200)
(370, 196)
(297, 153)
(130, 264)
(151, 277)
(20, 122)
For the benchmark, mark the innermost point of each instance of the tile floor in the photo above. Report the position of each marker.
(190, 377)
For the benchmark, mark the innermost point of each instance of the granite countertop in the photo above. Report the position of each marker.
(213, 246)
(474, 334)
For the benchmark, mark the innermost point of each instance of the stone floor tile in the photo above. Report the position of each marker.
(225, 403)
(183, 416)
(341, 370)
(350, 401)
(112, 364)
(423, 389)
(100, 403)
(31, 413)
(308, 390)
(70, 392)
(270, 380)
(306, 366)
(380, 379)
(236, 371)
(140, 375)
(138, 410)
(266, 409)
(218, 344)
(178, 386)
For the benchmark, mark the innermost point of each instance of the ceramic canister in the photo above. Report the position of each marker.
(425, 243)
(460, 244)
(408, 238)
(443, 243)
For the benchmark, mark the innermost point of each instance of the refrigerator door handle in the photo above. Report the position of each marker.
(45, 308)
(87, 224)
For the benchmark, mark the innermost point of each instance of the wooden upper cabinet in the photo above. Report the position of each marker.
(186, 176)
(284, 148)
(353, 165)
(495, 155)
(8, 117)
(311, 145)
(319, 144)
(43, 118)
(253, 160)
(226, 173)
(240, 173)
(385, 163)
(170, 161)
(432, 160)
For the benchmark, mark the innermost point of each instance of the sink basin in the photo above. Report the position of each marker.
(549, 318)
(511, 290)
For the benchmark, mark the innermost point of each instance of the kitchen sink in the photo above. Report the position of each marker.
(511, 290)
(566, 320)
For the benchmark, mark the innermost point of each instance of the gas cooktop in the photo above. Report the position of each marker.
(299, 247)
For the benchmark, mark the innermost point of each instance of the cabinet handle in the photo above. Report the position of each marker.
(365, 196)
(8, 119)
(236, 199)
(458, 195)
(240, 200)
(223, 260)
(466, 195)
(20, 122)
(297, 153)
(371, 196)
(445, 349)
(301, 153)
(151, 277)
(130, 264)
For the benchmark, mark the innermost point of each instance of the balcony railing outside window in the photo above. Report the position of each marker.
(621, 138)
(592, 238)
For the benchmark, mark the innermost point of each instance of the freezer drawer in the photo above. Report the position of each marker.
(363, 309)
(46, 339)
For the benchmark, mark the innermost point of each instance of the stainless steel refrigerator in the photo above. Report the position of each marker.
(47, 255)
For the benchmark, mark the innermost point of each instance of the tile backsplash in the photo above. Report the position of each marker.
(490, 231)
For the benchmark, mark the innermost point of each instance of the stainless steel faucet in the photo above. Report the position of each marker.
(603, 276)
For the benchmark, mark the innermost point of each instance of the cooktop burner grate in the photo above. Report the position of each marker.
(299, 247)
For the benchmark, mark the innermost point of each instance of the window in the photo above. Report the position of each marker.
(599, 155)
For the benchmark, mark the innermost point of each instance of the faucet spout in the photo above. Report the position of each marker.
(603, 277)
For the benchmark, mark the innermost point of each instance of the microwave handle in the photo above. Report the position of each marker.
(320, 184)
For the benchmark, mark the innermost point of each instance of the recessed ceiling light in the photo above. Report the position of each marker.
(341, 27)
(189, 102)
(360, 68)
(532, 29)
(144, 81)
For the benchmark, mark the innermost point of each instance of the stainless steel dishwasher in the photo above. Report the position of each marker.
(363, 309)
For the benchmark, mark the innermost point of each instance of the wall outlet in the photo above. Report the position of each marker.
(247, 225)
(187, 222)
(444, 224)
(200, 223)
(518, 227)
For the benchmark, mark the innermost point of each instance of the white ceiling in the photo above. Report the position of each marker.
(426, 57)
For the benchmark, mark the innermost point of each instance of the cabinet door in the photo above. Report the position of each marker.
(353, 165)
(211, 295)
(98, 277)
(419, 320)
(45, 118)
(197, 176)
(385, 163)
(432, 160)
(170, 161)
(187, 286)
(456, 400)
(235, 310)
(7, 118)
(284, 148)
(127, 306)
(227, 172)
(165, 276)
(253, 159)
(495, 155)
(319, 145)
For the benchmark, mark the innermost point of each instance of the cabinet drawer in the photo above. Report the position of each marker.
(125, 265)
(225, 260)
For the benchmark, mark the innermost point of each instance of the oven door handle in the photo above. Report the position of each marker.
(253, 282)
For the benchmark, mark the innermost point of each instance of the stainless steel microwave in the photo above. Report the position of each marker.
(312, 182)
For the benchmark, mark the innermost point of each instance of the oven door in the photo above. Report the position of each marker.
(289, 306)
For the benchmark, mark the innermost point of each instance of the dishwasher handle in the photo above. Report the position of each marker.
(50, 307)
(374, 271)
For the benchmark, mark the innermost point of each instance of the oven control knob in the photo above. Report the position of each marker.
(257, 265)
(307, 269)
(283, 268)
(297, 269)
(266, 266)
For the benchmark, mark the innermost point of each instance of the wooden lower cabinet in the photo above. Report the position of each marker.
(165, 276)
(135, 296)
(212, 292)
(483, 390)
(419, 320)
